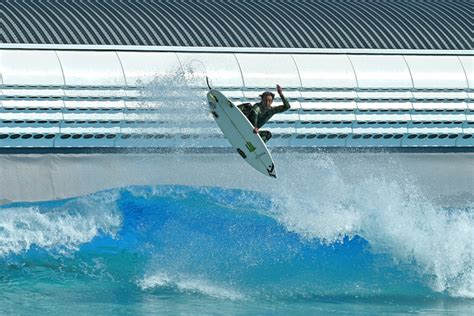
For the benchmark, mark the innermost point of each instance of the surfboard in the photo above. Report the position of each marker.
(239, 131)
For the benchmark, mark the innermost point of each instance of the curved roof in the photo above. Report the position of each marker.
(370, 24)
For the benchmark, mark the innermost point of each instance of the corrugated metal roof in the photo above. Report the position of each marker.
(365, 24)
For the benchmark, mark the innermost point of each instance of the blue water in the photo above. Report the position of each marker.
(200, 250)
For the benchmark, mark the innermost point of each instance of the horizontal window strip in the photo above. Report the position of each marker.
(275, 123)
(302, 100)
(242, 89)
(300, 111)
(109, 135)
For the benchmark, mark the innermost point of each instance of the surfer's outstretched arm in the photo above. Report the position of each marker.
(286, 104)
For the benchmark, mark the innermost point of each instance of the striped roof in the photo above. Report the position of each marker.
(363, 24)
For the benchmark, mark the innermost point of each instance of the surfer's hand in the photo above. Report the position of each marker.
(255, 130)
(279, 89)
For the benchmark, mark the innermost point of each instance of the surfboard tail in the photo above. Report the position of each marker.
(271, 171)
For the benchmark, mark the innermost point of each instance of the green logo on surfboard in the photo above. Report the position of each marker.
(250, 146)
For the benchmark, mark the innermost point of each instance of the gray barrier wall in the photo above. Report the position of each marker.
(444, 177)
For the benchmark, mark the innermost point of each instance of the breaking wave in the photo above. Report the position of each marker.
(238, 245)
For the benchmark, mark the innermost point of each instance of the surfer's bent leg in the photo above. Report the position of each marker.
(266, 135)
(245, 108)
(250, 116)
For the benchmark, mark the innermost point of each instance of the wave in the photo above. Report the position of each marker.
(387, 208)
(188, 284)
(320, 240)
(60, 226)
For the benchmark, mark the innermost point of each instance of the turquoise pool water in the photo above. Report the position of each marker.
(203, 250)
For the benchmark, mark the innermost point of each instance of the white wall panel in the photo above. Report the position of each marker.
(31, 115)
(94, 104)
(329, 94)
(255, 95)
(323, 129)
(307, 79)
(384, 105)
(439, 105)
(331, 116)
(435, 130)
(26, 130)
(55, 104)
(319, 140)
(385, 95)
(96, 92)
(233, 94)
(329, 105)
(222, 69)
(381, 71)
(325, 71)
(468, 65)
(440, 117)
(29, 67)
(144, 66)
(393, 116)
(368, 140)
(88, 68)
(436, 72)
(281, 128)
(136, 105)
(286, 116)
(383, 129)
(85, 130)
(34, 92)
(144, 116)
(267, 70)
(85, 116)
(149, 131)
(440, 95)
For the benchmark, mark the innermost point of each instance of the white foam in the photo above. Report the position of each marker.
(387, 208)
(188, 284)
(62, 229)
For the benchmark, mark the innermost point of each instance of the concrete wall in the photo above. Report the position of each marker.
(445, 176)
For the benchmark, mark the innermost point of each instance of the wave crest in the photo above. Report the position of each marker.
(186, 284)
(58, 226)
(387, 208)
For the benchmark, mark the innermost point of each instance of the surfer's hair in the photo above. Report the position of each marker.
(263, 95)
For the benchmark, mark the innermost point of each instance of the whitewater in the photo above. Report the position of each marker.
(335, 233)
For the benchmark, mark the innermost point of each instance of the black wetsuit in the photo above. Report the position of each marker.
(259, 114)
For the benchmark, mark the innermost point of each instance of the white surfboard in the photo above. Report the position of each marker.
(239, 131)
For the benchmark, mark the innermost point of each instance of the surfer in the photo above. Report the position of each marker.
(261, 112)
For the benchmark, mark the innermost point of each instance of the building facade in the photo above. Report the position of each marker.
(97, 74)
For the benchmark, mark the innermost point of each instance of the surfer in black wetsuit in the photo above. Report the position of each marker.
(261, 112)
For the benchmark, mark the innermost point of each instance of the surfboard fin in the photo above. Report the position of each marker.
(271, 171)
